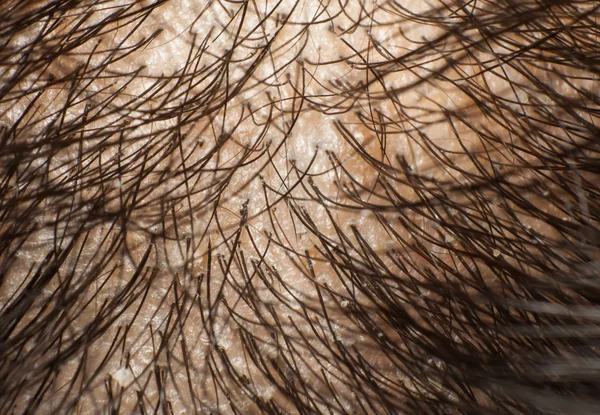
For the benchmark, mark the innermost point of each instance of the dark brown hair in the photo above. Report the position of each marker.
(338, 207)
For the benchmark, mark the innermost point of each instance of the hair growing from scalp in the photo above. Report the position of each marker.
(299, 207)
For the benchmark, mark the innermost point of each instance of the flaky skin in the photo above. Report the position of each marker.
(299, 207)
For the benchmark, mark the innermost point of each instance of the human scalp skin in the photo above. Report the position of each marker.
(299, 207)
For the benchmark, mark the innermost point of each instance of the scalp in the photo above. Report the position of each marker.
(299, 207)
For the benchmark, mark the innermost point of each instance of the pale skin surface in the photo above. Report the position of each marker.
(291, 205)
